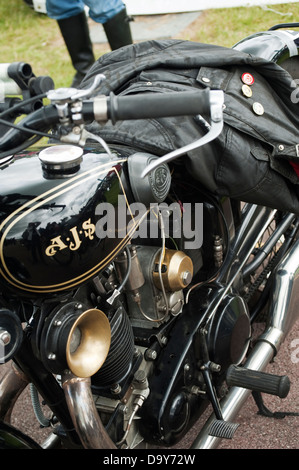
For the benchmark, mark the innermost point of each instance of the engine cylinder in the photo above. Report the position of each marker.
(119, 360)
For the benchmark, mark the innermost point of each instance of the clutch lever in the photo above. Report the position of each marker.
(216, 111)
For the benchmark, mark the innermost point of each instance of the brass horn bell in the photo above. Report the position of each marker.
(88, 343)
(75, 338)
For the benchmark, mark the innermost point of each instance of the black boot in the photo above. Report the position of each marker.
(75, 33)
(118, 30)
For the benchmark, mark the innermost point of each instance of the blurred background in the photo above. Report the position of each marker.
(28, 35)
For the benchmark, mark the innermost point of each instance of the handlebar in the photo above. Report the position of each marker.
(153, 105)
(69, 111)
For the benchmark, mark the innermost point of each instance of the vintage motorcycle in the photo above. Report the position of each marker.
(130, 291)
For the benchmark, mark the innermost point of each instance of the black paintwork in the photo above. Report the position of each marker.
(47, 226)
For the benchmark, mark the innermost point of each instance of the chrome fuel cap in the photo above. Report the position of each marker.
(61, 160)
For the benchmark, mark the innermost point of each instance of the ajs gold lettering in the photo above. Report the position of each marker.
(74, 240)
(56, 245)
(89, 229)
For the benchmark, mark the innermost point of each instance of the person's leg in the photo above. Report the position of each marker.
(72, 21)
(113, 15)
(61, 9)
(103, 10)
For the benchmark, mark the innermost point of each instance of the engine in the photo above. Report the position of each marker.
(151, 298)
(158, 350)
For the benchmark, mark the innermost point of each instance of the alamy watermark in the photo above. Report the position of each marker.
(295, 93)
(175, 220)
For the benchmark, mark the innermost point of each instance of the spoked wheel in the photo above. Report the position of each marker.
(268, 252)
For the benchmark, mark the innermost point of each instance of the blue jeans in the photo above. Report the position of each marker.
(99, 10)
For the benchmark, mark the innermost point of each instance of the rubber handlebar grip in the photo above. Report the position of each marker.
(156, 105)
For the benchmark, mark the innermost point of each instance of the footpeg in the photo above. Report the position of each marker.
(223, 429)
(258, 381)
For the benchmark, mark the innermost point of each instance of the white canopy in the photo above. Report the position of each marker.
(155, 7)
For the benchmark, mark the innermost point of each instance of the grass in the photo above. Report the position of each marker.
(228, 26)
(28, 36)
(31, 37)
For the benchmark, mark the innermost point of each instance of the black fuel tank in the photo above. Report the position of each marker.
(48, 237)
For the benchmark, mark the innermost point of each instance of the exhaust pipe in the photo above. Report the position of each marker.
(283, 314)
(79, 400)
(84, 414)
(87, 346)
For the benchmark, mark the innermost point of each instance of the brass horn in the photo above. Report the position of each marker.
(76, 338)
(88, 343)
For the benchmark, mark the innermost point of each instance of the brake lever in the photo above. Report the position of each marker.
(216, 110)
